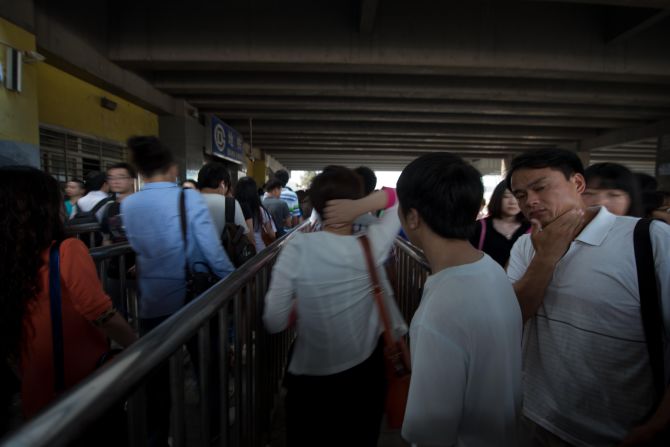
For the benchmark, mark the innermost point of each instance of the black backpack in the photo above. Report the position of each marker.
(88, 217)
(236, 243)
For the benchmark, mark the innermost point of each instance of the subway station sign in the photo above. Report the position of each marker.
(225, 141)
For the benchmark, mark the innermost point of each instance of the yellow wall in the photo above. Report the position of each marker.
(18, 111)
(69, 102)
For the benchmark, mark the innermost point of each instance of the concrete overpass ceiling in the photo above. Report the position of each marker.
(379, 82)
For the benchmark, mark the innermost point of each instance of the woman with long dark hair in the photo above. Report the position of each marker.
(258, 219)
(496, 234)
(31, 224)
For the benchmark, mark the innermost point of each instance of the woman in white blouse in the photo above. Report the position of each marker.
(336, 379)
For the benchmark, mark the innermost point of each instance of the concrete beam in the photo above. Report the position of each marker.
(322, 103)
(66, 50)
(343, 141)
(626, 3)
(443, 118)
(413, 129)
(623, 136)
(637, 26)
(558, 39)
(20, 13)
(368, 15)
(427, 87)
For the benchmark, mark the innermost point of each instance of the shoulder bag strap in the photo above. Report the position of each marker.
(377, 290)
(182, 219)
(482, 234)
(56, 318)
(649, 303)
(230, 210)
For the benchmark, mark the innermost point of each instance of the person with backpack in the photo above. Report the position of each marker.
(236, 238)
(594, 366)
(91, 207)
(257, 218)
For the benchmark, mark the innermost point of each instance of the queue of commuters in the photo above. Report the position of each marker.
(535, 328)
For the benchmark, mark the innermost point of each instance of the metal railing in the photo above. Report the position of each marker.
(251, 363)
(89, 233)
(411, 271)
(113, 263)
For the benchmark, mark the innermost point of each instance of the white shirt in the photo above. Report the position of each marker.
(326, 276)
(587, 377)
(217, 208)
(91, 199)
(465, 341)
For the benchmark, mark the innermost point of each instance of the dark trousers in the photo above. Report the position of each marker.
(158, 393)
(339, 409)
(158, 385)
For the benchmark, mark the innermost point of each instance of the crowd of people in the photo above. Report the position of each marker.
(537, 325)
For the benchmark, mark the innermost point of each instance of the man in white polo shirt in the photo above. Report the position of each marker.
(587, 377)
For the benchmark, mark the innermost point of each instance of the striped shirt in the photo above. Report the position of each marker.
(291, 200)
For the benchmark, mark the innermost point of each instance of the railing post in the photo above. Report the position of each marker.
(177, 394)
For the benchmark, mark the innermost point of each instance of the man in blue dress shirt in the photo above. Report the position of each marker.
(152, 221)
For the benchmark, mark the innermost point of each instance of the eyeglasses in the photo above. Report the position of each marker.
(118, 178)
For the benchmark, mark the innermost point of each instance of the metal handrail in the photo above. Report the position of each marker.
(84, 403)
(78, 231)
(260, 358)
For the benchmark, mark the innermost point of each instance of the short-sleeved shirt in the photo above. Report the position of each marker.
(265, 218)
(278, 209)
(586, 376)
(217, 208)
(292, 201)
(83, 301)
(466, 359)
(496, 245)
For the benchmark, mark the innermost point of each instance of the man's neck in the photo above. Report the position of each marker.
(443, 253)
(159, 178)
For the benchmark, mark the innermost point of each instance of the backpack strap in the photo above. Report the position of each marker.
(56, 318)
(99, 205)
(230, 210)
(482, 234)
(182, 219)
(650, 307)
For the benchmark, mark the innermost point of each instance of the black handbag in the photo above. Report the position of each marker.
(196, 282)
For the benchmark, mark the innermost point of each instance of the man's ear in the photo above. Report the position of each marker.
(413, 219)
(579, 182)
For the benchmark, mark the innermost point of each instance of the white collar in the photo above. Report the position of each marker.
(596, 231)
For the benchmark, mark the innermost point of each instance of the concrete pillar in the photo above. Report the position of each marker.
(185, 136)
(256, 169)
(585, 157)
(663, 163)
(505, 164)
